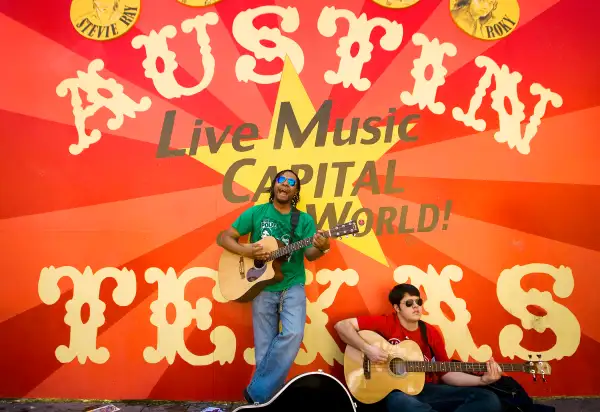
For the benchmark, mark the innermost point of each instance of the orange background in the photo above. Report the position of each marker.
(117, 205)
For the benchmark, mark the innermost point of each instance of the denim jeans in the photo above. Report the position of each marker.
(276, 351)
(439, 397)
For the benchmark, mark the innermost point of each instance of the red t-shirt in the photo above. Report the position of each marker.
(389, 327)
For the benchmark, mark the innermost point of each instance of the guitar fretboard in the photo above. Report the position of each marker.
(400, 366)
(294, 246)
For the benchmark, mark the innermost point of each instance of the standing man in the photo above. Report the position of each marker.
(276, 351)
(442, 390)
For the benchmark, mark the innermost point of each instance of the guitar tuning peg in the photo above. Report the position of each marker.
(534, 377)
(544, 378)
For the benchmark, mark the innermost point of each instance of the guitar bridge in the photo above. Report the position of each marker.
(366, 367)
(241, 268)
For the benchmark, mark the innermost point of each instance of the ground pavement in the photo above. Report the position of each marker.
(24, 405)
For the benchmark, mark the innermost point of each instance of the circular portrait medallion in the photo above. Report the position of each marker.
(486, 19)
(103, 20)
(198, 3)
(396, 4)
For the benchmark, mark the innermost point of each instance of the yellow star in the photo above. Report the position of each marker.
(291, 90)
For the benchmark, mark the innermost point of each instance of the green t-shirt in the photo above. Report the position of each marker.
(264, 220)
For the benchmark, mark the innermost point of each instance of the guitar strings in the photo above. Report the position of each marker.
(423, 366)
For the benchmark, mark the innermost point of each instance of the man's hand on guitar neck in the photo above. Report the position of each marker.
(320, 246)
(493, 373)
(321, 242)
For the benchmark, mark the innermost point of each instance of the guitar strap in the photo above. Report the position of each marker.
(423, 329)
(295, 218)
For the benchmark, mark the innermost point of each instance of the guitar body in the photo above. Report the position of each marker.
(317, 391)
(369, 382)
(405, 369)
(240, 278)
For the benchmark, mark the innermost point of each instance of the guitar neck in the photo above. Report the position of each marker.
(292, 247)
(420, 366)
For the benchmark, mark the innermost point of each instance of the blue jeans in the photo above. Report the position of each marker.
(276, 351)
(439, 397)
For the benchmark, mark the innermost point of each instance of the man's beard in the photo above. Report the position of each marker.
(283, 202)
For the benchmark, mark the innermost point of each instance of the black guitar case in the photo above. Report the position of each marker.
(311, 391)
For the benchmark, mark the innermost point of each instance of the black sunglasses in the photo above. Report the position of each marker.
(410, 302)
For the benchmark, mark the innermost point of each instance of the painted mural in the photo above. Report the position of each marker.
(462, 135)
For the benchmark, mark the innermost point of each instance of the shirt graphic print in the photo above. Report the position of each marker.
(269, 227)
(264, 220)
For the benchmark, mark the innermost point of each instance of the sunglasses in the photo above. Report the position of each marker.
(411, 302)
(291, 181)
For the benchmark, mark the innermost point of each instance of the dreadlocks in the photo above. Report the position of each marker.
(296, 198)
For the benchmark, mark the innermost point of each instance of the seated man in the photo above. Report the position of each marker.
(441, 390)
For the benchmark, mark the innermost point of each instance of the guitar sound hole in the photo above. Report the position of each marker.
(258, 264)
(397, 366)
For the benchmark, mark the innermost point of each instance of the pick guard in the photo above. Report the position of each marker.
(256, 272)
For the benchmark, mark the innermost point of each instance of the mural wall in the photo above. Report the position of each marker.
(462, 135)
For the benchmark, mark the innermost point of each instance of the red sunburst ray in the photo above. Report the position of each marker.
(517, 205)
(439, 25)
(146, 126)
(554, 157)
(118, 55)
(411, 19)
(522, 53)
(39, 162)
(26, 347)
(225, 86)
(375, 278)
(142, 376)
(79, 237)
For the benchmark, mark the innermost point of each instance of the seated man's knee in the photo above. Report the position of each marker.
(488, 399)
(399, 402)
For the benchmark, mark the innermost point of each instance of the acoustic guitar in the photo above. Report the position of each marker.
(240, 278)
(405, 369)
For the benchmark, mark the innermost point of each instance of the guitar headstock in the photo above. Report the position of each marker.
(344, 229)
(538, 368)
